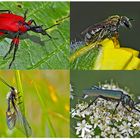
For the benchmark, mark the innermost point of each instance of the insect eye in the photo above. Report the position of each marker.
(126, 21)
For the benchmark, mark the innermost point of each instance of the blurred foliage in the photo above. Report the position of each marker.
(35, 50)
(46, 100)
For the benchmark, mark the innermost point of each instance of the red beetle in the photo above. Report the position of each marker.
(16, 25)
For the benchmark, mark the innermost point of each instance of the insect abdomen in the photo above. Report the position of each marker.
(110, 94)
(91, 35)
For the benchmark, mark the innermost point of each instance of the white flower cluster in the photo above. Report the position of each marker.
(71, 92)
(113, 86)
(98, 120)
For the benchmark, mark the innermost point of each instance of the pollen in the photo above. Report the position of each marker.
(67, 107)
(52, 93)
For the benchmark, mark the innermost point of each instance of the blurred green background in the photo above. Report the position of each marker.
(85, 79)
(35, 50)
(46, 100)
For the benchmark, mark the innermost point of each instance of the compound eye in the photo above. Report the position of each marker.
(126, 22)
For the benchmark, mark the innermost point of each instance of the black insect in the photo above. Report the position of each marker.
(106, 29)
(13, 113)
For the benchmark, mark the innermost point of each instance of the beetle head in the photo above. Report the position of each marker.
(38, 29)
(125, 21)
(131, 103)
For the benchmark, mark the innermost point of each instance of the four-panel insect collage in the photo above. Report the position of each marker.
(69, 69)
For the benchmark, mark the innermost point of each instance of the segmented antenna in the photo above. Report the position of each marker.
(3, 81)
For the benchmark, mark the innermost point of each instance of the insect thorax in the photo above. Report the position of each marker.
(8, 95)
(112, 19)
(100, 31)
(12, 95)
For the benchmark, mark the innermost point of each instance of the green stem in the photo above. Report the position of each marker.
(20, 90)
(50, 126)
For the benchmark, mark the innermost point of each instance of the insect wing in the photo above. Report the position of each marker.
(11, 119)
(23, 124)
(95, 28)
(28, 130)
(15, 118)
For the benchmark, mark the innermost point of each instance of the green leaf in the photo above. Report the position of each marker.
(35, 50)
(84, 57)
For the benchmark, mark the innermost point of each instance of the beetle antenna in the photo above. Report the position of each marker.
(77, 96)
(26, 11)
(62, 19)
(52, 26)
(3, 81)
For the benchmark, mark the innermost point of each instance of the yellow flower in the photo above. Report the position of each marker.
(114, 57)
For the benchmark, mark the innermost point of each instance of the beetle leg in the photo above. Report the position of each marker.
(136, 109)
(16, 43)
(48, 35)
(135, 106)
(25, 13)
(115, 108)
(126, 108)
(49, 28)
(6, 11)
(90, 103)
(31, 21)
(11, 47)
(137, 103)
(15, 50)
